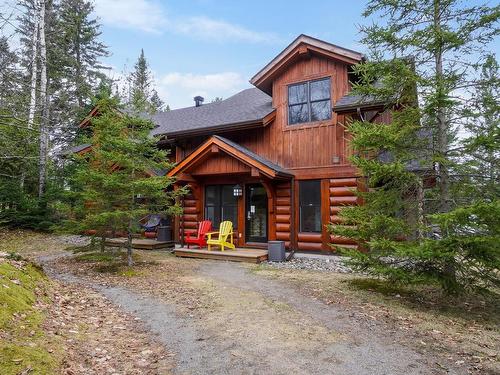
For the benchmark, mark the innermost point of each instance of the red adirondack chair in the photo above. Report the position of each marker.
(203, 228)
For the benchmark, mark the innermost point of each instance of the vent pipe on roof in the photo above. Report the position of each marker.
(198, 101)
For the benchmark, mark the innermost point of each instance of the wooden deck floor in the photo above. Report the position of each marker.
(237, 255)
(141, 243)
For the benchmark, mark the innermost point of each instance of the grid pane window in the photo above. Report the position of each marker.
(310, 206)
(221, 205)
(309, 101)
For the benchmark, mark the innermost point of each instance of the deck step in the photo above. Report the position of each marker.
(238, 255)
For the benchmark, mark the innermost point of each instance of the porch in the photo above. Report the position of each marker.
(236, 255)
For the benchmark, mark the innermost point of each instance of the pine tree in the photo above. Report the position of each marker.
(420, 66)
(114, 186)
(141, 85)
(80, 35)
(142, 96)
(156, 102)
(482, 146)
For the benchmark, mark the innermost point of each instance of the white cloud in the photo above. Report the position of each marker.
(217, 81)
(206, 28)
(178, 89)
(144, 15)
(149, 16)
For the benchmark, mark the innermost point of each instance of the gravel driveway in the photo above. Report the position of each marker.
(259, 326)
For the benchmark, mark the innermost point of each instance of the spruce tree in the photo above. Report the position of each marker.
(114, 184)
(81, 39)
(141, 81)
(156, 102)
(143, 97)
(420, 64)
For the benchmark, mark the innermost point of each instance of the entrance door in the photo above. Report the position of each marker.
(256, 213)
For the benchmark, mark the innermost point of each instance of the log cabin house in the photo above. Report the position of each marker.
(273, 159)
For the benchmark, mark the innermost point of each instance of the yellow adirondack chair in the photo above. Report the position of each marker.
(225, 231)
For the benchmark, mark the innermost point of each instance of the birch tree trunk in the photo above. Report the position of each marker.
(44, 101)
(34, 64)
(34, 71)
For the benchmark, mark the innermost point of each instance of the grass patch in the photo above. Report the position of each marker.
(22, 340)
(482, 308)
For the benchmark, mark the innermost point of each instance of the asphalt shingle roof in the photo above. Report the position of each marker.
(250, 105)
(75, 149)
(353, 101)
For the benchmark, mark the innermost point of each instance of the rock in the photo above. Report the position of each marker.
(332, 264)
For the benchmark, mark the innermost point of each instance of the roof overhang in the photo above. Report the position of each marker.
(302, 46)
(259, 123)
(86, 121)
(217, 144)
(355, 108)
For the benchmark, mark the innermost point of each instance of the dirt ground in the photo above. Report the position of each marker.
(208, 317)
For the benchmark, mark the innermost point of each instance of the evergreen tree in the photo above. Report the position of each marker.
(156, 103)
(80, 35)
(482, 147)
(420, 67)
(113, 183)
(141, 81)
(142, 96)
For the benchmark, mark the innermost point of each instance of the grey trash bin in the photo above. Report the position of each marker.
(276, 251)
(164, 233)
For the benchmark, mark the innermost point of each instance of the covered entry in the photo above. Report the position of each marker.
(230, 182)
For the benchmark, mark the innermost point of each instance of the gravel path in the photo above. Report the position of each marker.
(363, 349)
(262, 326)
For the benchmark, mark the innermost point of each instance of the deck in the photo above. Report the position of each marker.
(237, 255)
(141, 243)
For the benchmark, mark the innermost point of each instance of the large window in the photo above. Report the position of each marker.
(309, 101)
(310, 206)
(221, 205)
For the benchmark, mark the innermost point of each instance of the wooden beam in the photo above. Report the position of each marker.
(185, 177)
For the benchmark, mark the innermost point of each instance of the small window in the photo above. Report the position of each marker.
(309, 101)
(221, 205)
(310, 206)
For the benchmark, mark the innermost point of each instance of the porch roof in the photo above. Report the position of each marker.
(244, 155)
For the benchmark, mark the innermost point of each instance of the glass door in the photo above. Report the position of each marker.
(256, 213)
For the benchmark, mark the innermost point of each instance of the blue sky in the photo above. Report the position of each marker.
(213, 47)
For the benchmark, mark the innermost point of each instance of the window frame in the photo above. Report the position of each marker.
(219, 204)
(309, 102)
(316, 206)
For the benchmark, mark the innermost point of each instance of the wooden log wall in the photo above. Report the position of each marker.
(342, 194)
(283, 212)
(192, 210)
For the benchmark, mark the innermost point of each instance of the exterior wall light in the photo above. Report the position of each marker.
(237, 190)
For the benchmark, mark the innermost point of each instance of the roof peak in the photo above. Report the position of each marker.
(263, 78)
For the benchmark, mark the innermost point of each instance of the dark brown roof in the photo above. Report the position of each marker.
(249, 106)
(350, 103)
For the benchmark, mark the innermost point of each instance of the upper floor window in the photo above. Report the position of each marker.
(309, 101)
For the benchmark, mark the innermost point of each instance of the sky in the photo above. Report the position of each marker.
(213, 47)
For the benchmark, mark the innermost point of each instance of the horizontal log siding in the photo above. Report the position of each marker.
(282, 212)
(342, 194)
